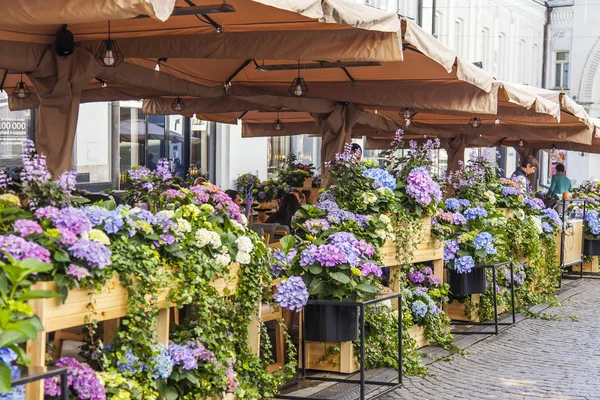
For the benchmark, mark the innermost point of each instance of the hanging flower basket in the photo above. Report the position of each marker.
(465, 284)
(330, 323)
(591, 247)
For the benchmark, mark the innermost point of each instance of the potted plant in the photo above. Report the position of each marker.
(591, 241)
(334, 266)
(296, 174)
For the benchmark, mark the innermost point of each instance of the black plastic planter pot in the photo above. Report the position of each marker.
(471, 283)
(330, 323)
(591, 247)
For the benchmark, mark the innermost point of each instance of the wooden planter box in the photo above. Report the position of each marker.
(456, 310)
(418, 334)
(427, 249)
(307, 183)
(109, 304)
(573, 242)
(588, 266)
(322, 357)
(508, 213)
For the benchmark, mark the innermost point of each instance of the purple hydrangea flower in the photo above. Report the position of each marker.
(330, 255)
(309, 255)
(552, 215)
(434, 280)
(422, 187)
(291, 293)
(185, 355)
(458, 219)
(73, 220)
(94, 253)
(369, 268)
(232, 381)
(316, 226)
(80, 378)
(67, 237)
(450, 249)
(416, 277)
(464, 264)
(26, 227)
(546, 227)
(282, 261)
(532, 204)
(21, 249)
(46, 212)
(78, 272)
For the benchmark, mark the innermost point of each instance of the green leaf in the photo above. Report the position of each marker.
(35, 265)
(11, 337)
(366, 288)
(63, 289)
(61, 256)
(23, 327)
(21, 354)
(37, 294)
(4, 378)
(287, 242)
(3, 284)
(315, 269)
(340, 277)
(316, 286)
(80, 200)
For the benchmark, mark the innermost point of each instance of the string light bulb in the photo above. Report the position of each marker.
(475, 122)
(277, 125)
(298, 88)
(109, 54)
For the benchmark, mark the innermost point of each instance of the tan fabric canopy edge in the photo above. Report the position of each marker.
(52, 12)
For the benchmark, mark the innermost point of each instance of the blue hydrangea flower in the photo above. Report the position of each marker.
(291, 293)
(381, 177)
(113, 222)
(464, 203)
(94, 253)
(509, 191)
(163, 366)
(485, 241)
(551, 214)
(129, 363)
(95, 214)
(452, 204)
(474, 213)
(419, 308)
(546, 227)
(464, 264)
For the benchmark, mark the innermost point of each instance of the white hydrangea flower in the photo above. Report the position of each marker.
(223, 259)
(97, 235)
(243, 257)
(520, 214)
(491, 197)
(165, 214)
(381, 233)
(244, 219)
(183, 225)
(369, 198)
(202, 237)
(244, 244)
(385, 219)
(239, 226)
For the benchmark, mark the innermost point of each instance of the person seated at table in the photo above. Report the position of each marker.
(307, 193)
(234, 195)
(199, 181)
(300, 196)
(288, 206)
(560, 184)
(356, 151)
(528, 167)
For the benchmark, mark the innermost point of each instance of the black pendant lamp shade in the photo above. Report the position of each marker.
(109, 54)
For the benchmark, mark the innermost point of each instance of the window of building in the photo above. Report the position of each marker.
(92, 153)
(458, 35)
(307, 149)
(381, 4)
(15, 126)
(561, 70)
(501, 56)
(485, 48)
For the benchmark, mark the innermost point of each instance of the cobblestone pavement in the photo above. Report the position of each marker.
(533, 359)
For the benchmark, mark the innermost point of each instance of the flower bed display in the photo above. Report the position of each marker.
(173, 247)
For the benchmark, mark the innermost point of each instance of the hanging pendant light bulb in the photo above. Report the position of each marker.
(408, 114)
(520, 142)
(278, 125)
(178, 105)
(109, 54)
(475, 122)
(298, 88)
(21, 91)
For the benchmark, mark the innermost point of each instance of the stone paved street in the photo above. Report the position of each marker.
(536, 358)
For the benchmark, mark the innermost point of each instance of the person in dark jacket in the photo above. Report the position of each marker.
(288, 206)
(528, 166)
